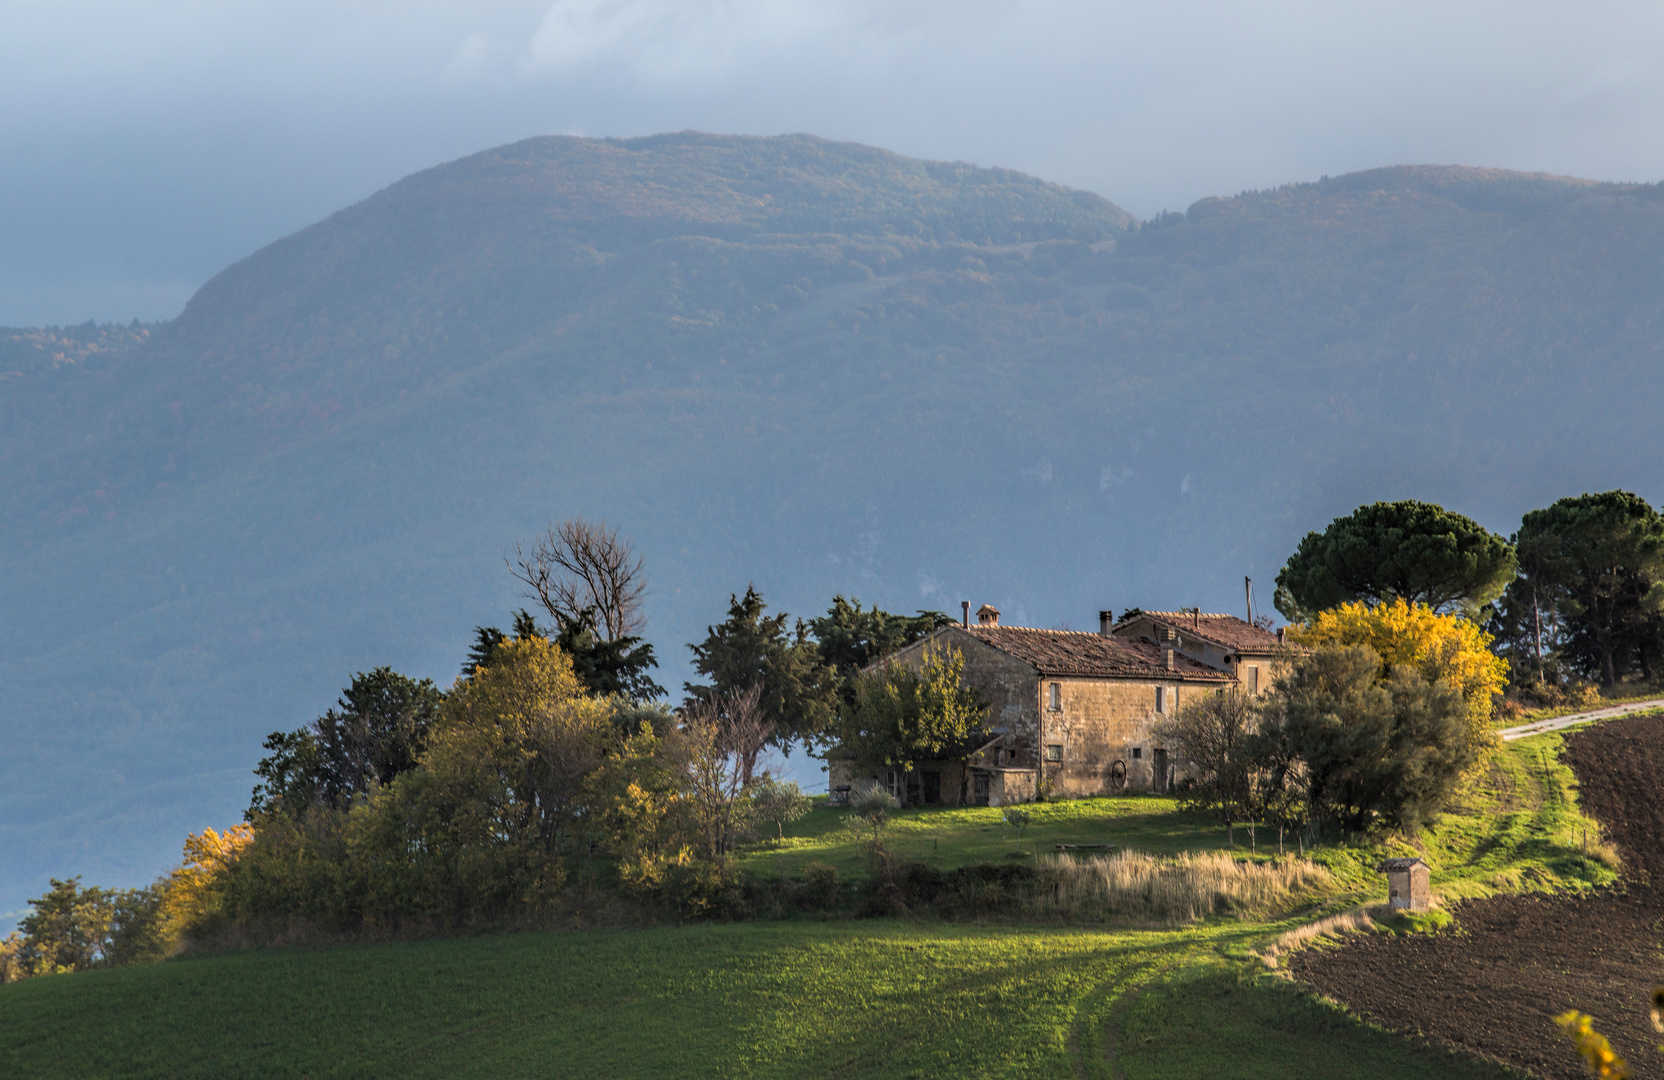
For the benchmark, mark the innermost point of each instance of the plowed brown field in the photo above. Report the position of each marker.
(1494, 985)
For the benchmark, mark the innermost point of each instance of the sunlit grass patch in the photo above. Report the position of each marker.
(949, 837)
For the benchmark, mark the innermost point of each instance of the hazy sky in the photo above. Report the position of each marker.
(143, 146)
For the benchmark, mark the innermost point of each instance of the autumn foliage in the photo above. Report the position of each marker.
(1437, 647)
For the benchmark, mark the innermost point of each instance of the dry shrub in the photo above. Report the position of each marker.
(1143, 889)
(1604, 853)
(1348, 922)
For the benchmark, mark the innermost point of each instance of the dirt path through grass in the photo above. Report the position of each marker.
(1560, 723)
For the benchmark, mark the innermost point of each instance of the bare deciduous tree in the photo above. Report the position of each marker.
(725, 733)
(1212, 735)
(742, 727)
(579, 566)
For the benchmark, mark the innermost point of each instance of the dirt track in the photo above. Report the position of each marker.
(1494, 987)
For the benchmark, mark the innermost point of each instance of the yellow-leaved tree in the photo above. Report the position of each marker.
(500, 792)
(194, 894)
(1435, 646)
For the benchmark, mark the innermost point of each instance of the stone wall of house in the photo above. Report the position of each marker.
(1008, 787)
(1008, 686)
(1100, 722)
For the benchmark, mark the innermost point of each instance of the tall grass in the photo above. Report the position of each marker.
(1145, 890)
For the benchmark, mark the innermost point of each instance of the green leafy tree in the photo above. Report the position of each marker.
(609, 666)
(1373, 749)
(1414, 551)
(74, 927)
(1599, 561)
(640, 806)
(289, 774)
(1529, 631)
(630, 717)
(851, 637)
(489, 639)
(779, 802)
(1281, 791)
(903, 715)
(606, 665)
(67, 928)
(138, 934)
(869, 814)
(753, 648)
(475, 833)
(377, 731)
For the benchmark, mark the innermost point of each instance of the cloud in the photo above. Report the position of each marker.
(164, 141)
(667, 41)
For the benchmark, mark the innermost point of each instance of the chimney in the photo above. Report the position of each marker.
(1280, 631)
(965, 611)
(1106, 619)
(987, 615)
(1166, 635)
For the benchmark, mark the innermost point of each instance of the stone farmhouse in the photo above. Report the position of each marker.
(1071, 713)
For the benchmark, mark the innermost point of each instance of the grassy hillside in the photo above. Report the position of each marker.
(1516, 826)
(873, 999)
(802, 998)
(816, 366)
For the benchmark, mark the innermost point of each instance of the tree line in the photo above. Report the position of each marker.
(1577, 592)
(407, 807)
(1410, 622)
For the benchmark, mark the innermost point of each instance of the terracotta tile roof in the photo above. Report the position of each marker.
(1076, 652)
(1227, 631)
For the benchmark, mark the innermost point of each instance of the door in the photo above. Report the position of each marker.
(931, 787)
(979, 789)
(1158, 766)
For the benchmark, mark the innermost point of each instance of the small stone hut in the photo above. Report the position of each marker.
(1409, 884)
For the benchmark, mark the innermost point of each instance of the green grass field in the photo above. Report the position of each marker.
(814, 998)
(834, 999)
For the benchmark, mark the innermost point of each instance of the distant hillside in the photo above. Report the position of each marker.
(817, 366)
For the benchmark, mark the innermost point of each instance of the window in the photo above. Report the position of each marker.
(1054, 752)
(1137, 752)
(1253, 679)
(1056, 691)
(1161, 699)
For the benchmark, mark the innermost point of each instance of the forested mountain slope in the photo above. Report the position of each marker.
(816, 366)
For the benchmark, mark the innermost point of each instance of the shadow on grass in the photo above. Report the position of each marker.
(1213, 1020)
